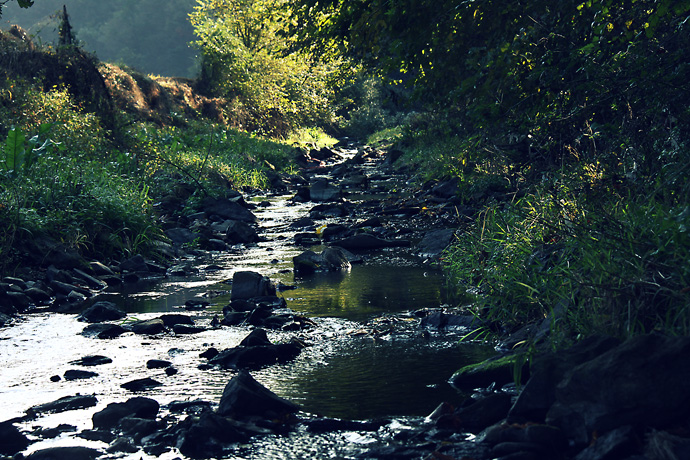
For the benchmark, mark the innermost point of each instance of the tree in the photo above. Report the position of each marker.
(247, 58)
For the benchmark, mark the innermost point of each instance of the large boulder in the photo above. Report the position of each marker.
(331, 259)
(240, 232)
(65, 404)
(207, 435)
(139, 407)
(435, 242)
(227, 209)
(60, 453)
(321, 190)
(256, 351)
(547, 370)
(243, 396)
(248, 284)
(148, 327)
(102, 311)
(644, 382)
(11, 439)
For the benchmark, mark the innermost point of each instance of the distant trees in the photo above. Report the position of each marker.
(152, 36)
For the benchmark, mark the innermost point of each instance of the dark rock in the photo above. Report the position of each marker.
(102, 311)
(547, 370)
(435, 242)
(99, 269)
(243, 396)
(37, 295)
(441, 320)
(66, 288)
(190, 407)
(478, 415)
(181, 236)
(183, 329)
(11, 439)
(124, 445)
(5, 320)
(20, 301)
(239, 232)
(139, 385)
(321, 190)
(103, 331)
(169, 371)
(62, 453)
(234, 318)
(45, 251)
(446, 189)
(171, 319)
(139, 407)
(134, 264)
(148, 327)
(196, 304)
(138, 427)
(91, 282)
(76, 374)
(256, 357)
(304, 222)
(307, 239)
(331, 259)
(373, 222)
(65, 404)
(157, 364)
(210, 353)
(92, 360)
(51, 433)
(248, 284)
(206, 436)
(615, 444)
(518, 451)
(227, 209)
(645, 381)
(16, 281)
(332, 230)
(257, 337)
(55, 378)
(365, 241)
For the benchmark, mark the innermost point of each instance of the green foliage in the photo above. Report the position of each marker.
(589, 266)
(246, 59)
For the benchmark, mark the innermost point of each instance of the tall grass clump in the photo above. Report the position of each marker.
(59, 179)
(592, 261)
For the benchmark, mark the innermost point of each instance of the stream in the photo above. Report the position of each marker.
(367, 357)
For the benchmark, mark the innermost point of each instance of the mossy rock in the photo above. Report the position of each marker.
(499, 370)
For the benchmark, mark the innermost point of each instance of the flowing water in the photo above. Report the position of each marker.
(353, 368)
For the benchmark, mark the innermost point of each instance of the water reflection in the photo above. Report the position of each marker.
(366, 378)
(367, 291)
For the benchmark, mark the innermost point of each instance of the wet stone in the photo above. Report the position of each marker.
(157, 364)
(65, 404)
(140, 385)
(102, 311)
(75, 374)
(11, 439)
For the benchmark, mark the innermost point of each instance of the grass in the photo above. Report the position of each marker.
(94, 190)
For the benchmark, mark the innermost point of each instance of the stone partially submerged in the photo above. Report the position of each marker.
(330, 260)
(243, 396)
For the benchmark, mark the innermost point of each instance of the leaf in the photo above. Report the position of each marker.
(14, 149)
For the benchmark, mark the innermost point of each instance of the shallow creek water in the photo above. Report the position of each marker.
(344, 373)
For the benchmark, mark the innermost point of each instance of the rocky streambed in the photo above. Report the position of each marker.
(310, 323)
